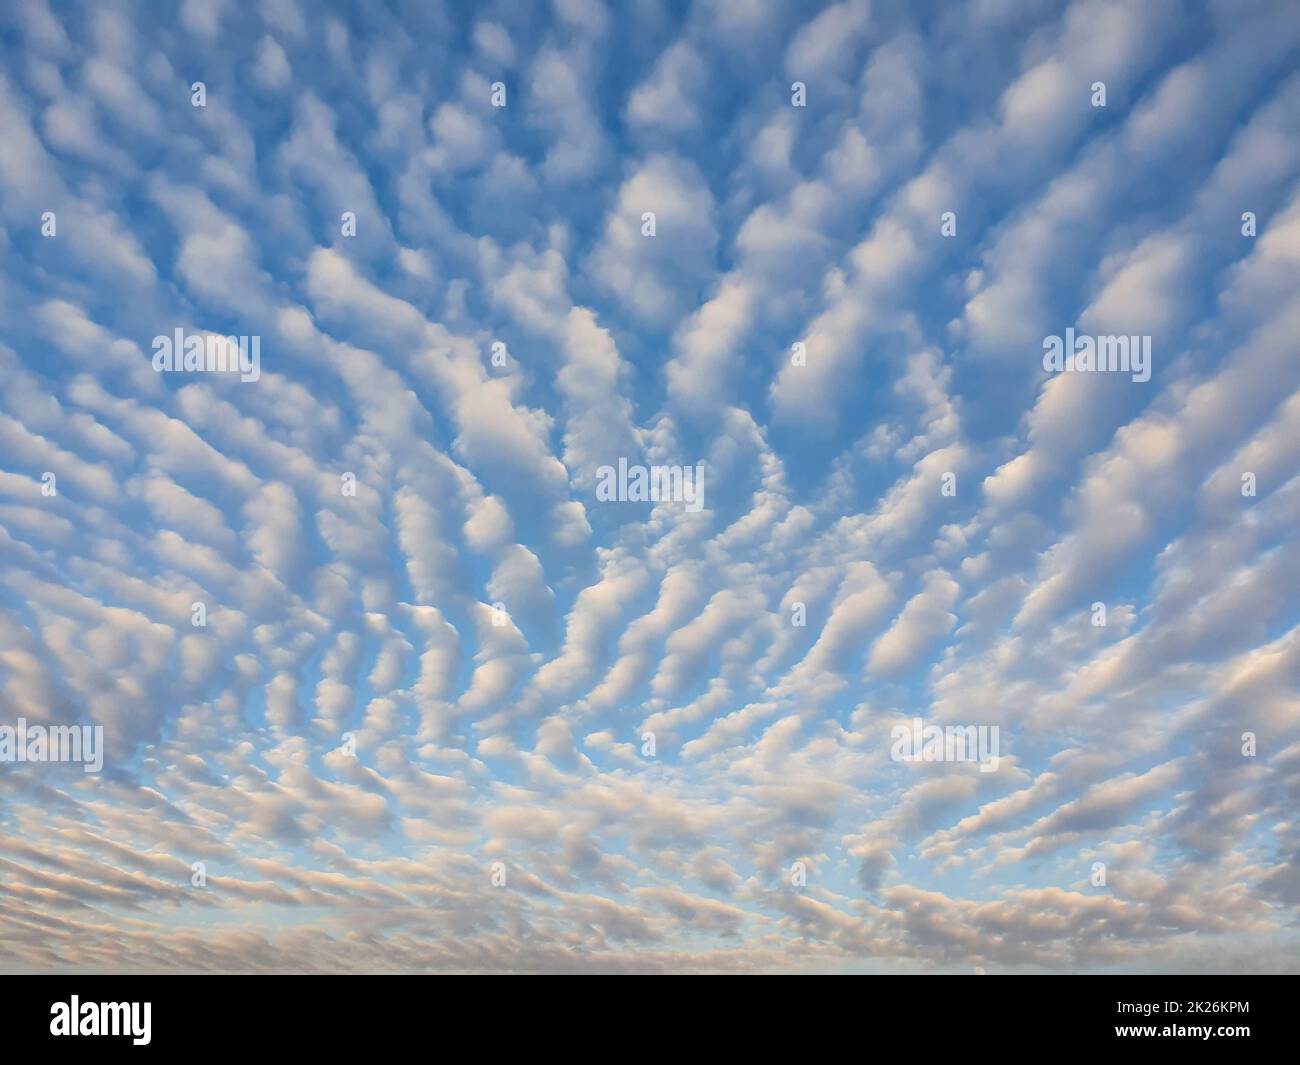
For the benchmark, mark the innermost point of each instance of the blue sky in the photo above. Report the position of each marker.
(450, 677)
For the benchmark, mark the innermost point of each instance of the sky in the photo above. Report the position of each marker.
(385, 685)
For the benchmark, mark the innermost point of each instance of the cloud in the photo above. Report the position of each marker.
(657, 276)
(362, 637)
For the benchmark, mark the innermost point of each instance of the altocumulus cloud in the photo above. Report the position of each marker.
(385, 684)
